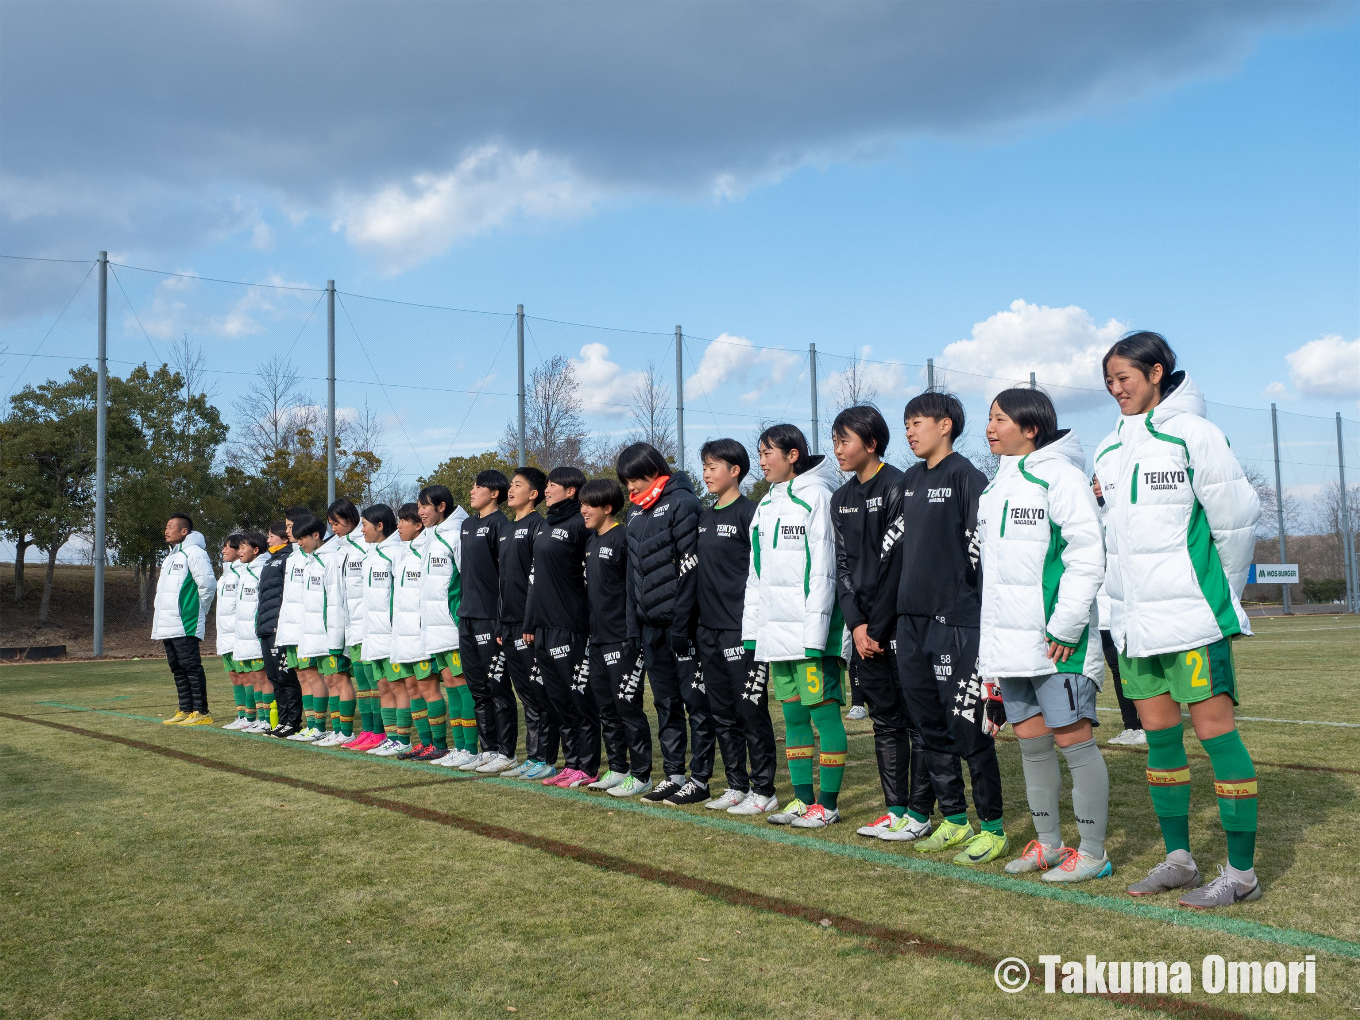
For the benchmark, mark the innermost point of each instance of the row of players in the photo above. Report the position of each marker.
(958, 604)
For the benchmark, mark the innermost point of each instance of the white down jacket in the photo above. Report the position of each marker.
(791, 611)
(247, 606)
(323, 603)
(288, 631)
(1180, 531)
(184, 591)
(350, 555)
(380, 566)
(408, 644)
(228, 590)
(1043, 560)
(441, 583)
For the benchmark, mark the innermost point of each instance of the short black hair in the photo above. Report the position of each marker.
(255, 540)
(729, 451)
(537, 480)
(279, 529)
(568, 477)
(787, 437)
(297, 513)
(1030, 409)
(603, 492)
(640, 461)
(409, 512)
(433, 495)
(343, 510)
(188, 521)
(937, 405)
(381, 515)
(233, 541)
(1143, 349)
(865, 421)
(493, 479)
(308, 526)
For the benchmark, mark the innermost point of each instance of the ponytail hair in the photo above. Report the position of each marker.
(788, 438)
(1144, 349)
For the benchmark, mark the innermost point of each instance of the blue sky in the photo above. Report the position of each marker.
(1208, 191)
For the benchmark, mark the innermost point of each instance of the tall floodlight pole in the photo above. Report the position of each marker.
(679, 398)
(1347, 535)
(1279, 498)
(330, 392)
(519, 339)
(812, 362)
(930, 375)
(1032, 384)
(101, 446)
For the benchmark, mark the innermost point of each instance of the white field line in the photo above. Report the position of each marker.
(1257, 718)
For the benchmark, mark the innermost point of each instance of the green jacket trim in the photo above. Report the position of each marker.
(1052, 578)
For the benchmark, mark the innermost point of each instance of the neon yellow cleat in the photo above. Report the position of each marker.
(949, 834)
(176, 719)
(197, 719)
(985, 846)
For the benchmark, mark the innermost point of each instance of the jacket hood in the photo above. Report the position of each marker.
(453, 522)
(1066, 447)
(388, 544)
(679, 481)
(195, 538)
(1185, 398)
(822, 474)
(561, 511)
(260, 560)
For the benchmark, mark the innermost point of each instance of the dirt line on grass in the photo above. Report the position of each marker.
(888, 938)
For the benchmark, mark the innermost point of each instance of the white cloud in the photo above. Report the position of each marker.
(605, 387)
(1061, 346)
(885, 380)
(179, 306)
(734, 359)
(262, 237)
(1277, 391)
(1328, 368)
(488, 187)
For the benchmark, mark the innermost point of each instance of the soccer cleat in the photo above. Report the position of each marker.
(562, 778)
(350, 740)
(198, 719)
(239, 723)
(475, 762)
(389, 748)
(631, 786)
(755, 804)
(948, 835)
(432, 753)
(985, 846)
(1037, 857)
(1222, 891)
(411, 752)
(663, 790)
(693, 792)
(1139, 739)
(306, 735)
(367, 742)
(283, 732)
(1078, 867)
(906, 829)
(517, 771)
(175, 719)
(327, 739)
(817, 816)
(857, 712)
(579, 778)
(729, 798)
(1178, 871)
(879, 824)
(608, 781)
(497, 763)
(541, 770)
(258, 726)
(793, 809)
(1124, 738)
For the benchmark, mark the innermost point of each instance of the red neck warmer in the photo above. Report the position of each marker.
(651, 495)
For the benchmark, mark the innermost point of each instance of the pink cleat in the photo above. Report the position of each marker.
(364, 741)
(564, 778)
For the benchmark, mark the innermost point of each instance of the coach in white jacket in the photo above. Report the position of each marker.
(793, 621)
(1043, 561)
(184, 593)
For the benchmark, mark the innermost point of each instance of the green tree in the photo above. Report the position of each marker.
(458, 474)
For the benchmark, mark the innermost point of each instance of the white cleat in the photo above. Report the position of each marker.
(879, 824)
(857, 712)
(239, 723)
(905, 829)
(496, 763)
(389, 748)
(729, 798)
(455, 759)
(608, 781)
(475, 761)
(755, 804)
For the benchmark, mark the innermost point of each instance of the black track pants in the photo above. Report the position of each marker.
(937, 664)
(1128, 711)
(677, 692)
(561, 658)
(902, 767)
(738, 698)
(186, 666)
(287, 690)
(492, 697)
(542, 728)
(616, 683)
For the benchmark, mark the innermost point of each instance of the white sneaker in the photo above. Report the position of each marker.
(905, 829)
(496, 763)
(1139, 739)
(879, 824)
(729, 798)
(306, 736)
(755, 804)
(239, 723)
(1123, 737)
(608, 781)
(857, 712)
(389, 748)
(331, 739)
(475, 761)
(455, 759)
(258, 726)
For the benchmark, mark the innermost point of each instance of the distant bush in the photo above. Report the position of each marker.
(1324, 589)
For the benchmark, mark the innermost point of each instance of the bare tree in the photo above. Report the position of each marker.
(652, 413)
(554, 429)
(1268, 525)
(270, 413)
(1328, 521)
(364, 434)
(853, 387)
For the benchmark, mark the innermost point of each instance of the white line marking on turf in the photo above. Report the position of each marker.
(1257, 718)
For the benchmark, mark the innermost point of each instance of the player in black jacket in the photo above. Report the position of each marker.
(542, 729)
(287, 690)
(866, 587)
(557, 624)
(736, 684)
(613, 661)
(939, 605)
(663, 543)
(483, 665)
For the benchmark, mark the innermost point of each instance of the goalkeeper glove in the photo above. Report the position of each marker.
(993, 709)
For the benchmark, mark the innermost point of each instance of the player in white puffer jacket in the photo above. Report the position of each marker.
(379, 573)
(1043, 561)
(441, 589)
(323, 642)
(228, 592)
(350, 551)
(408, 662)
(1180, 534)
(792, 618)
(249, 654)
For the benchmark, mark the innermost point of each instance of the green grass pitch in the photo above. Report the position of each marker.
(162, 872)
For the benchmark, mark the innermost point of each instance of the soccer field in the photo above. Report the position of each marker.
(163, 872)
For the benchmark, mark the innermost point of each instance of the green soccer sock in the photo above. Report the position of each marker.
(333, 703)
(1168, 776)
(377, 715)
(437, 718)
(264, 706)
(363, 689)
(308, 711)
(420, 717)
(1235, 785)
(388, 716)
(249, 694)
(347, 718)
(403, 727)
(239, 695)
(468, 710)
(831, 762)
(798, 748)
(321, 705)
(457, 731)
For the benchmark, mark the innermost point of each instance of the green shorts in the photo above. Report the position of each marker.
(290, 656)
(448, 660)
(354, 653)
(248, 665)
(330, 665)
(812, 681)
(229, 664)
(1196, 674)
(377, 669)
(421, 670)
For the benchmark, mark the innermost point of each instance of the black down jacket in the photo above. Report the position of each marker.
(663, 550)
(271, 595)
